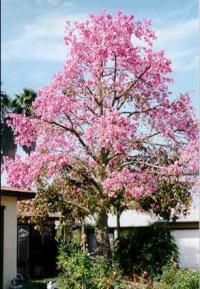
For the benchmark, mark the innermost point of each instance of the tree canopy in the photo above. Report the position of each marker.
(107, 128)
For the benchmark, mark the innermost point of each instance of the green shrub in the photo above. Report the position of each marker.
(174, 278)
(169, 272)
(145, 249)
(79, 270)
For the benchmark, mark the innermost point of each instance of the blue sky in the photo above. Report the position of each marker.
(33, 48)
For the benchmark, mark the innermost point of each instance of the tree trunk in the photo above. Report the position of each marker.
(102, 246)
(118, 223)
(83, 236)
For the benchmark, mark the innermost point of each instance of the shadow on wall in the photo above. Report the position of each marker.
(188, 242)
(36, 252)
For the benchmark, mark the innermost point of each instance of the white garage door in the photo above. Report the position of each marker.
(188, 242)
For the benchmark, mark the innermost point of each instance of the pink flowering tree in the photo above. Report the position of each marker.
(107, 129)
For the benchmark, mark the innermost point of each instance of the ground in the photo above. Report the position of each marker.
(42, 284)
(37, 284)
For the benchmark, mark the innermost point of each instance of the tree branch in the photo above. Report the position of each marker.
(140, 111)
(74, 132)
(134, 82)
(77, 205)
(114, 79)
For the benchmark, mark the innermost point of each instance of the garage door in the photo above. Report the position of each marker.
(188, 242)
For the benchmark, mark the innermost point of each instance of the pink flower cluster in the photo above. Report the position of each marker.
(174, 117)
(110, 131)
(130, 182)
(24, 128)
(24, 173)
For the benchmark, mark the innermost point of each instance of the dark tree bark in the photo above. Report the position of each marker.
(102, 246)
(118, 224)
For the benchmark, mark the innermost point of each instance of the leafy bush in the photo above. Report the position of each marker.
(79, 270)
(174, 278)
(145, 249)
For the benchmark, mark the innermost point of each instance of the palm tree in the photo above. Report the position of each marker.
(21, 104)
(8, 147)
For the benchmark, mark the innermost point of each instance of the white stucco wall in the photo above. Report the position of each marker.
(188, 242)
(131, 218)
(10, 239)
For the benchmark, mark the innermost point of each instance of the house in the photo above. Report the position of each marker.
(185, 231)
(187, 236)
(37, 250)
(8, 232)
(32, 244)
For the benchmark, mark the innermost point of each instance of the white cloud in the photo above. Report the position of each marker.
(179, 14)
(68, 4)
(181, 31)
(41, 40)
(54, 2)
(180, 41)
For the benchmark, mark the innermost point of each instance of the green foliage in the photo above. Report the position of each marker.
(79, 270)
(174, 278)
(145, 249)
(22, 103)
(169, 272)
(170, 200)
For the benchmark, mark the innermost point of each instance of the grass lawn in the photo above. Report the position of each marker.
(36, 284)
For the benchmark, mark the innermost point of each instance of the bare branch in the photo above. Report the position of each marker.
(134, 82)
(131, 162)
(74, 132)
(114, 79)
(87, 87)
(141, 111)
(77, 205)
(152, 135)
